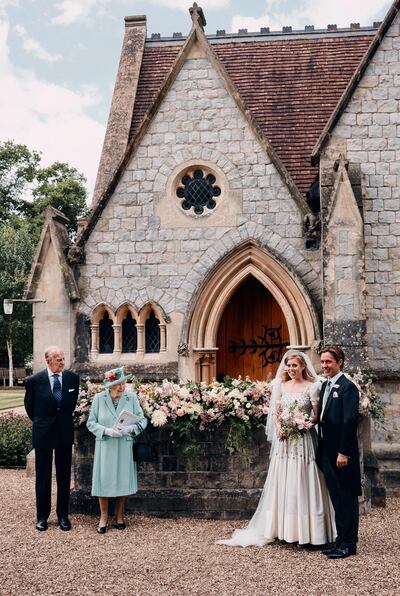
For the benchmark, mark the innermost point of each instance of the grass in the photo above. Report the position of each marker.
(11, 398)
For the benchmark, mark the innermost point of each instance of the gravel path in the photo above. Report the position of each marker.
(178, 557)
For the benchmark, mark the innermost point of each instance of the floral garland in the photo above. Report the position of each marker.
(191, 407)
(371, 403)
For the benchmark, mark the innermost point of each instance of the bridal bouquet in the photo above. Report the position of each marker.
(294, 422)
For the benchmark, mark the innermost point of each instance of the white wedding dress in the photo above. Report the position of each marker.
(294, 505)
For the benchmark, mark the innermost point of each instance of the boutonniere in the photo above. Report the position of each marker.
(335, 394)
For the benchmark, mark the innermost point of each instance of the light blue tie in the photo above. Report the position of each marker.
(57, 388)
(326, 395)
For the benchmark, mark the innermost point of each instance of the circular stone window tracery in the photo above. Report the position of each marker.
(198, 190)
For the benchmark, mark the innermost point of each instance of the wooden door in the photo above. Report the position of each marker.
(252, 334)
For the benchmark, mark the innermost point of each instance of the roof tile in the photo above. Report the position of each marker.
(291, 86)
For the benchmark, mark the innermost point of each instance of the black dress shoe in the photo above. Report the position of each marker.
(101, 529)
(41, 525)
(327, 550)
(119, 526)
(342, 552)
(64, 524)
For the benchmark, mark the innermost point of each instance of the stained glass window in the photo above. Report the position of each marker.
(152, 334)
(106, 335)
(198, 192)
(129, 334)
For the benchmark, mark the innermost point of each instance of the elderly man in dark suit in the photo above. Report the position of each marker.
(337, 454)
(50, 400)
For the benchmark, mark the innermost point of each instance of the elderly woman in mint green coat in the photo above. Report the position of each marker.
(114, 470)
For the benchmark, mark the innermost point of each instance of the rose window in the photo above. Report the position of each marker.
(198, 191)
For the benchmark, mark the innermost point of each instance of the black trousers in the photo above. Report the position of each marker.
(345, 505)
(43, 465)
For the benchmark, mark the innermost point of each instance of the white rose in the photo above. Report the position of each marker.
(158, 418)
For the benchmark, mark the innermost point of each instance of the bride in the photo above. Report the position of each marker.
(294, 505)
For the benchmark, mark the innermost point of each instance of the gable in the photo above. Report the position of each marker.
(290, 86)
(389, 23)
(51, 251)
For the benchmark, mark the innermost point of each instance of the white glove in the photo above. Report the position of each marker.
(126, 430)
(111, 432)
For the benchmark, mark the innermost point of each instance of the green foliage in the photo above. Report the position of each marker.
(239, 436)
(60, 186)
(183, 435)
(26, 190)
(18, 167)
(15, 439)
(17, 246)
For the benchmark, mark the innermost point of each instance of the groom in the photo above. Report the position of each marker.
(337, 454)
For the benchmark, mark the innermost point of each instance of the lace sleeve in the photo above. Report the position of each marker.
(275, 400)
(315, 390)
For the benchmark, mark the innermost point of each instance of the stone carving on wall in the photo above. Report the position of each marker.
(183, 349)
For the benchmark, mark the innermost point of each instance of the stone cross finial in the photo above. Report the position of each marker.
(197, 14)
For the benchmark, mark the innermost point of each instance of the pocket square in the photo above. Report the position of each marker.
(335, 394)
(336, 386)
(71, 390)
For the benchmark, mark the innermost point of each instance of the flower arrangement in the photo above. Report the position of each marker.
(371, 403)
(294, 422)
(209, 404)
(87, 392)
(191, 407)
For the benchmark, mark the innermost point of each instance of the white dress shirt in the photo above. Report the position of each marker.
(333, 381)
(51, 378)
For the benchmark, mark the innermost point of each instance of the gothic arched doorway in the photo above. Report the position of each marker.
(252, 334)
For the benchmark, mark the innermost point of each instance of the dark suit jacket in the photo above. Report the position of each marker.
(52, 421)
(338, 431)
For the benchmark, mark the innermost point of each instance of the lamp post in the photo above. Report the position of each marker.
(8, 304)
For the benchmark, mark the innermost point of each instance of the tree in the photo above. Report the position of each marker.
(26, 189)
(60, 186)
(18, 168)
(17, 246)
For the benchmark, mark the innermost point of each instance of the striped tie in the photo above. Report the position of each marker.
(57, 388)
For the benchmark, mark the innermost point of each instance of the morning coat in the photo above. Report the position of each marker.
(52, 421)
(337, 432)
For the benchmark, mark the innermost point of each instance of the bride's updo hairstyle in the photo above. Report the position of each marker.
(299, 357)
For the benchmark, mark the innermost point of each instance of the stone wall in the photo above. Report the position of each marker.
(368, 134)
(211, 485)
(146, 249)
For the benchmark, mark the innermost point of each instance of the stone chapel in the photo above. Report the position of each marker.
(247, 200)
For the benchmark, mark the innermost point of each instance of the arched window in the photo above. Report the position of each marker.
(106, 335)
(129, 334)
(152, 334)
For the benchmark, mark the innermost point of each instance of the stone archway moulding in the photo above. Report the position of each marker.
(248, 260)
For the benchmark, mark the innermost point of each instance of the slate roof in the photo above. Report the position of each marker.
(290, 83)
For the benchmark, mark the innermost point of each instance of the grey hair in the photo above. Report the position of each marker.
(51, 351)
